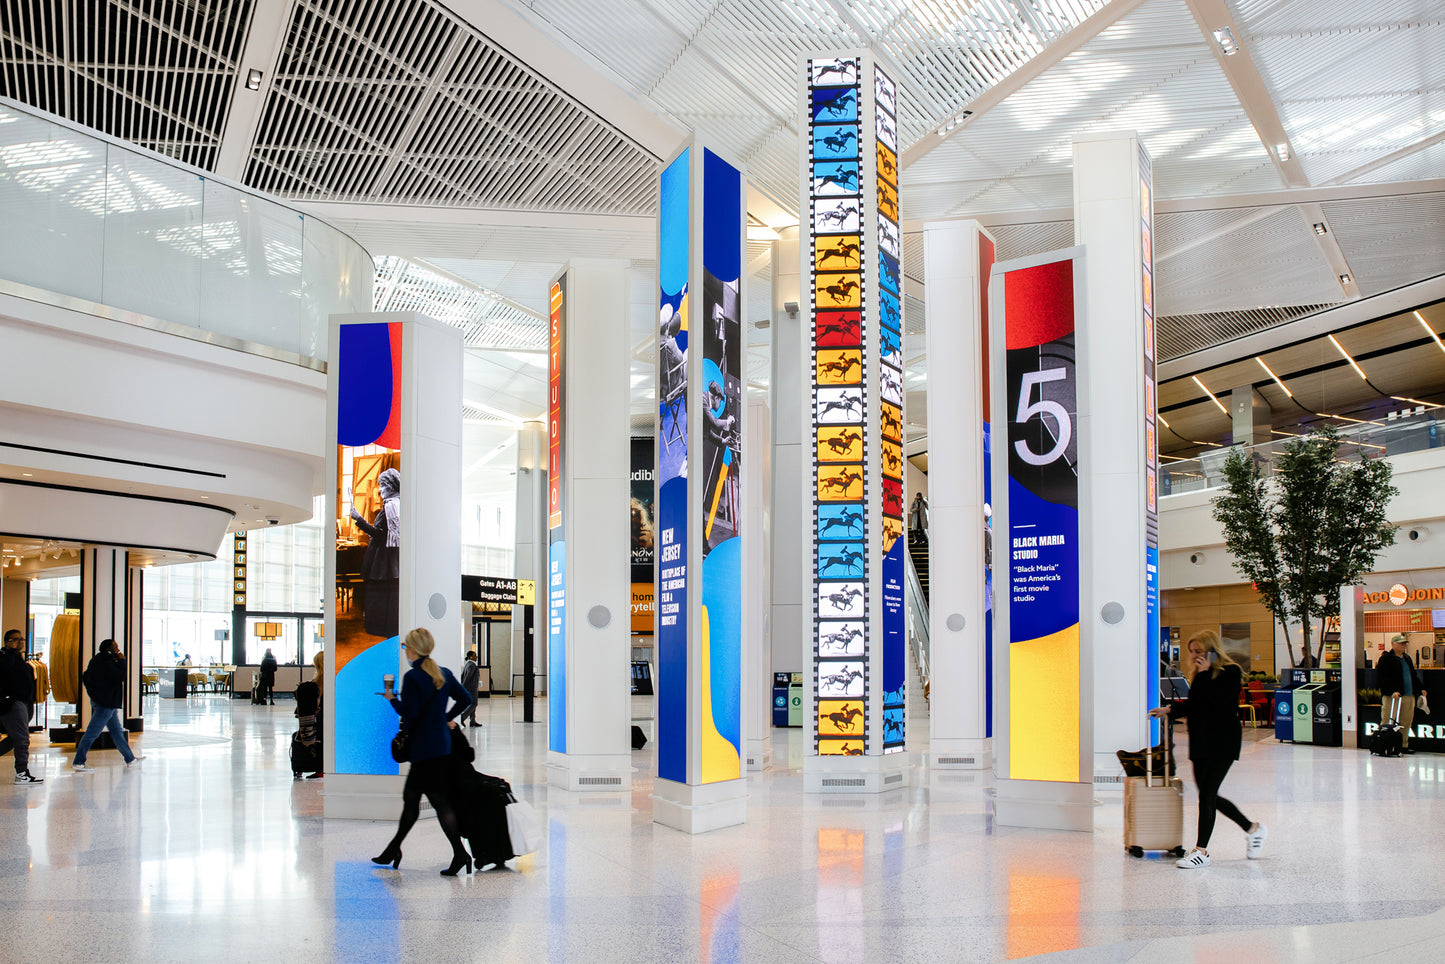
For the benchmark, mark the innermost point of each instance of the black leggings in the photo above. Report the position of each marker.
(1209, 774)
(428, 777)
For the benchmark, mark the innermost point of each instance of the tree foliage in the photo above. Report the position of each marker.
(1313, 527)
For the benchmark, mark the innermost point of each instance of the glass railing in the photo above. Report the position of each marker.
(918, 636)
(116, 230)
(1395, 436)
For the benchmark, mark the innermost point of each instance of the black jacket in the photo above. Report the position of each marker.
(17, 680)
(268, 670)
(1390, 673)
(105, 681)
(1212, 710)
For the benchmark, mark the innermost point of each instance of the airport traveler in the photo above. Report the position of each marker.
(17, 701)
(267, 692)
(1215, 735)
(310, 701)
(425, 719)
(918, 518)
(1398, 677)
(105, 682)
(471, 682)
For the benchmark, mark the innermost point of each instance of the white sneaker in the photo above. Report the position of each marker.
(1256, 841)
(23, 778)
(1195, 858)
(83, 768)
(135, 759)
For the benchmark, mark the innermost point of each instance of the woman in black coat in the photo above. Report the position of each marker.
(1212, 711)
(426, 720)
(268, 678)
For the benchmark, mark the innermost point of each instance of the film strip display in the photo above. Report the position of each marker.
(890, 392)
(838, 346)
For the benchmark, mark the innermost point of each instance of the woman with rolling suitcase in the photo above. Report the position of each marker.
(1215, 735)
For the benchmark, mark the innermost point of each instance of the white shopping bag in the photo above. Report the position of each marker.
(523, 827)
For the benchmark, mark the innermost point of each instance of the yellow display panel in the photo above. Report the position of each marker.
(838, 290)
(1044, 708)
(840, 718)
(840, 443)
(840, 483)
(840, 366)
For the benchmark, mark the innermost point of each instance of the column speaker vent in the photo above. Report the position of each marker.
(893, 778)
(599, 781)
(956, 761)
(844, 782)
(1100, 778)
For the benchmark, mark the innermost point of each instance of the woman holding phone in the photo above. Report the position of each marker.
(422, 707)
(1212, 710)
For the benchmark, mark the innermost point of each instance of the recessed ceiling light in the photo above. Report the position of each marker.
(1206, 391)
(1320, 228)
(1283, 151)
(1225, 38)
(1341, 349)
(1345, 279)
(1426, 325)
(253, 79)
(28, 475)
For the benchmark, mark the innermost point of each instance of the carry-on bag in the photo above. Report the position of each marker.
(305, 757)
(1154, 805)
(523, 827)
(1389, 738)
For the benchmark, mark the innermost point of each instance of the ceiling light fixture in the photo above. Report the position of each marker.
(1416, 401)
(1225, 38)
(1346, 418)
(1283, 151)
(1345, 280)
(958, 120)
(1161, 420)
(1274, 376)
(1275, 431)
(1206, 391)
(253, 79)
(1352, 362)
(1426, 325)
(1320, 228)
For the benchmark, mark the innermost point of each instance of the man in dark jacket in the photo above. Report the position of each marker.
(1398, 678)
(17, 697)
(105, 682)
(471, 682)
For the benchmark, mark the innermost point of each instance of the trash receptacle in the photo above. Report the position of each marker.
(1304, 712)
(1284, 714)
(1327, 723)
(780, 698)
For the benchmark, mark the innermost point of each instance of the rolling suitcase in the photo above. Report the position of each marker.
(1388, 739)
(1154, 806)
(305, 757)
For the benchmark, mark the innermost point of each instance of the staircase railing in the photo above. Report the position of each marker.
(918, 624)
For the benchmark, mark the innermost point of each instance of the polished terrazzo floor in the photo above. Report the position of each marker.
(209, 850)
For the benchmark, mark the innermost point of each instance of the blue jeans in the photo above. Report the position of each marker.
(103, 718)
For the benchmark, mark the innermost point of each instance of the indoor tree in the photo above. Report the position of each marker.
(1312, 527)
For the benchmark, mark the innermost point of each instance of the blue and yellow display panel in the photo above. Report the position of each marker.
(889, 349)
(556, 517)
(721, 403)
(673, 342)
(368, 543)
(1043, 522)
(1151, 444)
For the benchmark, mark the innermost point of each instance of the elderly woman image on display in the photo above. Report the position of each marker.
(381, 565)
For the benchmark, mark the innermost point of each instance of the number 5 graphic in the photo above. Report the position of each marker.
(1043, 406)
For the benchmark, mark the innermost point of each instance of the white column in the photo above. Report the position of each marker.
(105, 599)
(792, 463)
(1112, 220)
(529, 560)
(1352, 645)
(410, 407)
(588, 636)
(957, 255)
(758, 571)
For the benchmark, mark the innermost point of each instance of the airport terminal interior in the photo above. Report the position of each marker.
(324, 320)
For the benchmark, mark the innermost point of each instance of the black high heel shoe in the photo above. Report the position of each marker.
(388, 856)
(457, 864)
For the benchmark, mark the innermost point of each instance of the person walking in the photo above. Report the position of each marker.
(1215, 735)
(268, 678)
(105, 682)
(1398, 678)
(425, 718)
(918, 519)
(471, 682)
(17, 702)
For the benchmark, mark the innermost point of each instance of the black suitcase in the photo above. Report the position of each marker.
(1389, 739)
(305, 757)
(256, 699)
(481, 803)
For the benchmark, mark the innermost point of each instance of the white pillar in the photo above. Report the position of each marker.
(106, 602)
(702, 476)
(530, 554)
(854, 565)
(958, 255)
(1113, 221)
(588, 580)
(757, 644)
(1352, 645)
(792, 464)
(394, 402)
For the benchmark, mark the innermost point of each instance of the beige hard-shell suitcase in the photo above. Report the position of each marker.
(1154, 809)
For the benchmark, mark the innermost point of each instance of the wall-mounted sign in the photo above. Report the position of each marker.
(238, 570)
(497, 590)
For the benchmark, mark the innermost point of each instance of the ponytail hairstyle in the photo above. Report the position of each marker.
(420, 641)
(319, 661)
(1209, 642)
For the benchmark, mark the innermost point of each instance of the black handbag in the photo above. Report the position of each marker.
(400, 745)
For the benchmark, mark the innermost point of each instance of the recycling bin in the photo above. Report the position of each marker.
(1284, 714)
(1326, 719)
(1304, 712)
(780, 698)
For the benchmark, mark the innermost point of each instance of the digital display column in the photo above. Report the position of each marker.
(1151, 441)
(852, 271)
(556, 529)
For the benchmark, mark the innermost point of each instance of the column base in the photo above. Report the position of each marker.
(855, 774)
(960, 754)
(1044, 805)
(699, 809)
(597, 771)
(355, 796)
(759, 753)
